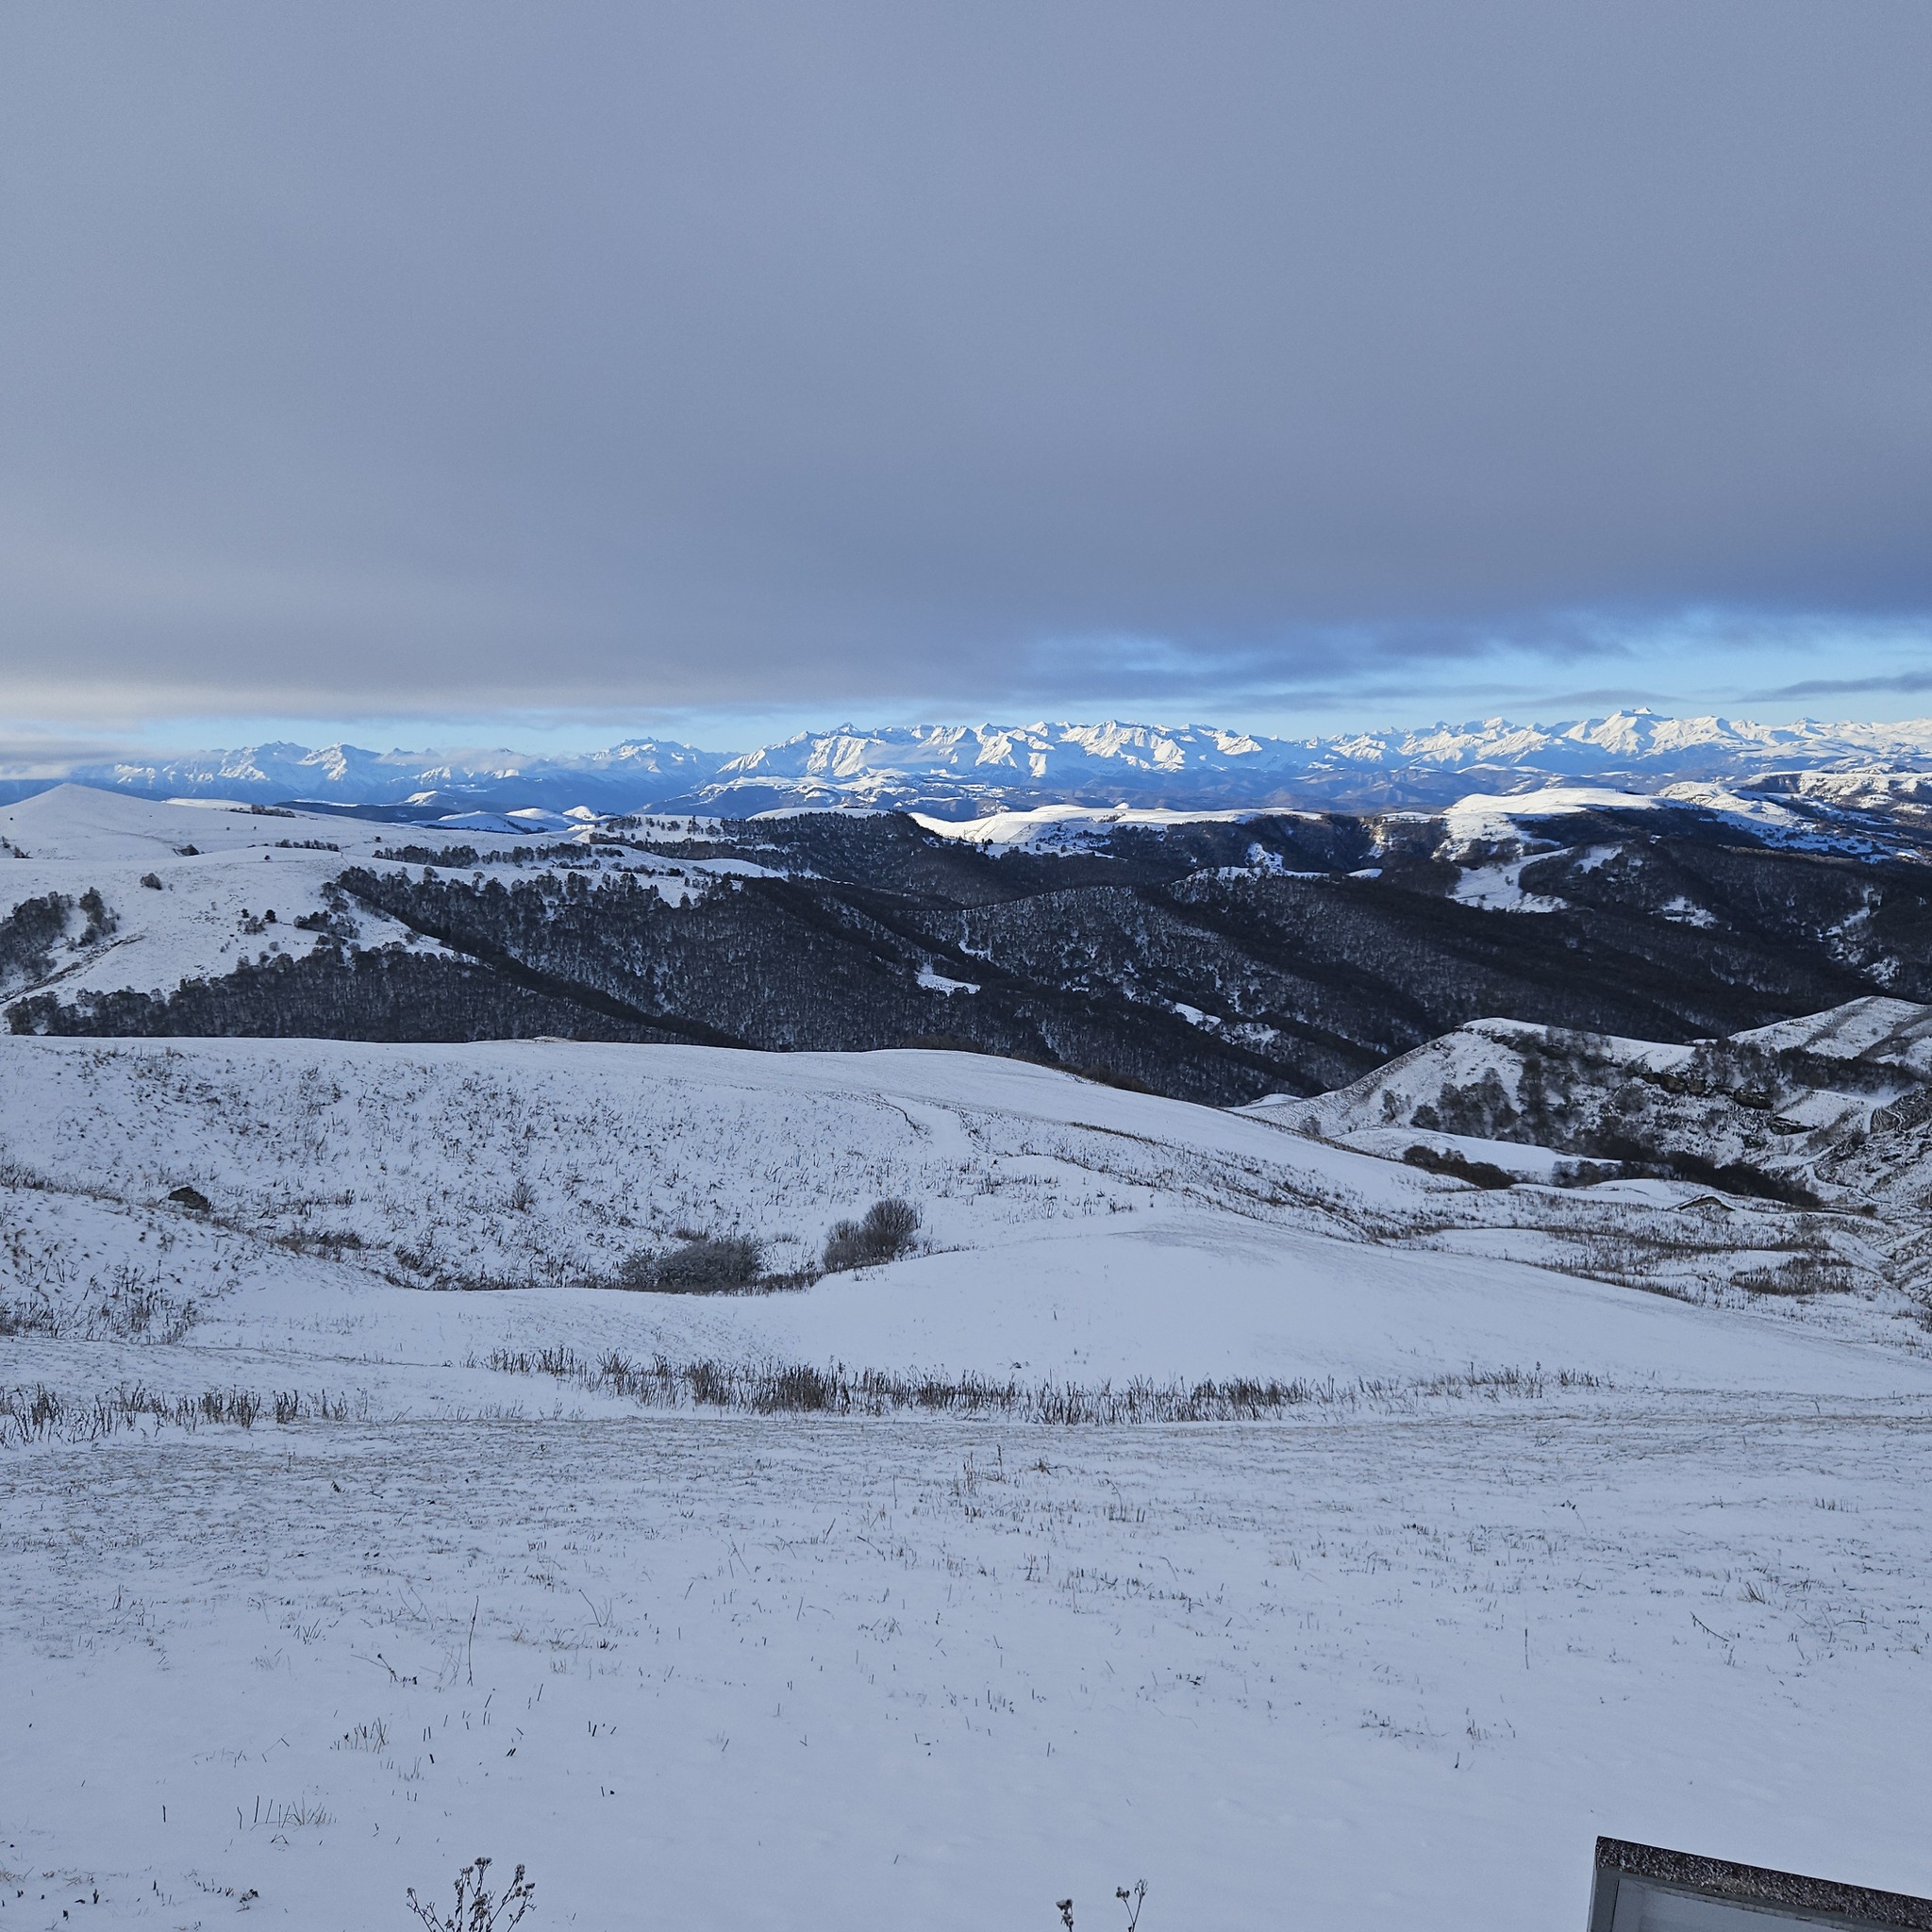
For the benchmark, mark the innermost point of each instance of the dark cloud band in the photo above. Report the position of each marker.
(470, 357)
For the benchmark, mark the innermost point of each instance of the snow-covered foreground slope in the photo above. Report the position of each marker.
(757, 1673)
(1522, 1555)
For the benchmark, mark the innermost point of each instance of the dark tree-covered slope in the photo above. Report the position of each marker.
(1215, 960)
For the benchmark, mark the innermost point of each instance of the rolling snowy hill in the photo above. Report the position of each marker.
(1068, 1232)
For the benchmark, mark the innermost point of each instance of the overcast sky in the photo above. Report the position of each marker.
(478, 367)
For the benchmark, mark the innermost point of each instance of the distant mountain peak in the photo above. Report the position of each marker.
(960, 771)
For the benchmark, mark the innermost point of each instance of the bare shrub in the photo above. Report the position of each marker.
(773, 1388)
(709, 1265)
(1798, 1274)
(885, 1234)
(843, 1250)
(34, 1315)
(1479, 1173)
(1586, 1173)
(137, 1308)
(100, 921)
(1114, 1076)
(709, 1384)
(703, 1264)
(477, 1910)
(1131, 1900)
(127, 1307)
(45, 1415)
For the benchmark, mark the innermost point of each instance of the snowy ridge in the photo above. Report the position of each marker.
(195, 888)
(1288, 940)
(1829, 1111)
(639, 770)
(1865, 822)
(1067, 827)
(962, 771)
(1480, 828)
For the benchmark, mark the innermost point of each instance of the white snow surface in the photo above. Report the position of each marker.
(1067, 827)
(728, 1674)
(1492, 818)
(1400, 1653)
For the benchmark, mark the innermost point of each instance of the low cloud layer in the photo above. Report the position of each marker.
(463, 357)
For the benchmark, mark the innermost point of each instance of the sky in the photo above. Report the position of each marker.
(476, 372)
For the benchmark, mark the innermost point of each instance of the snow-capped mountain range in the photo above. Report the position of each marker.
(962, 771)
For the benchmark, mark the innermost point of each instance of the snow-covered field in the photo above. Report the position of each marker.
(757, 1672)
(1530, 1556)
